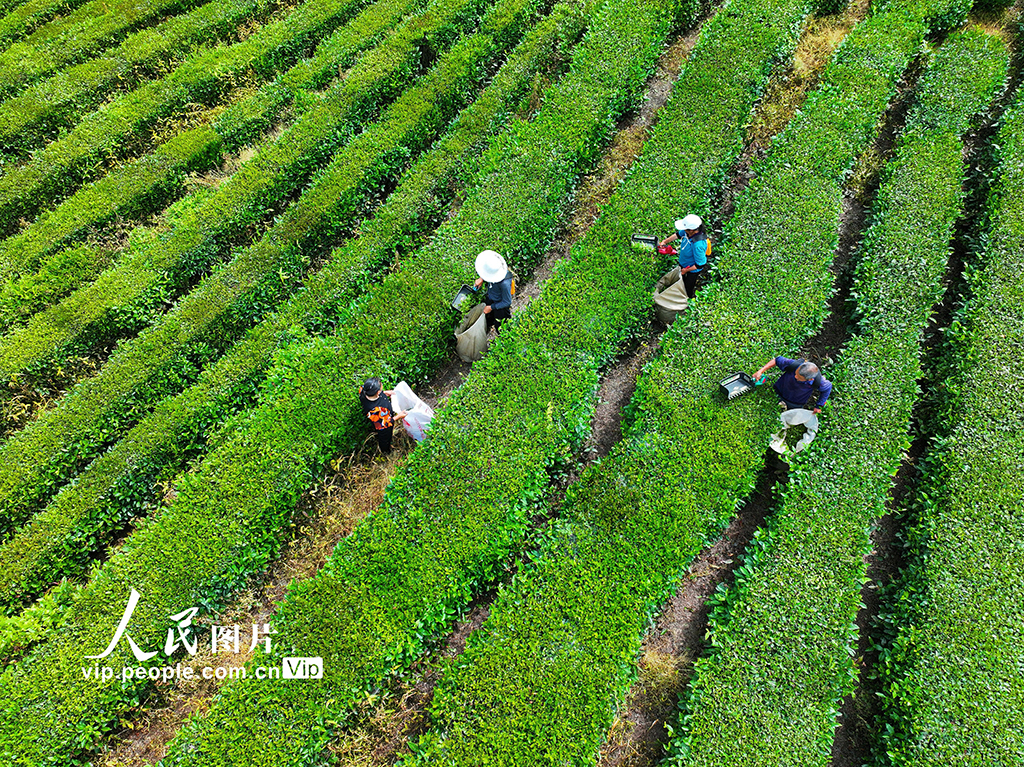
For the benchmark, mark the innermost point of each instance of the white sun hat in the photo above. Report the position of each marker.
(491, 266)
(691, 221)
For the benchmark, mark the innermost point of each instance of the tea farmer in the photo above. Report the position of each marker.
(694, 249)
(492, 269)
(377, 405)
(801, 384)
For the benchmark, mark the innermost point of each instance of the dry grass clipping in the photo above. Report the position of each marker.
(787, 90)
(662, 677)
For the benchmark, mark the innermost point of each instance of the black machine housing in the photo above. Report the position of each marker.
(736, 385)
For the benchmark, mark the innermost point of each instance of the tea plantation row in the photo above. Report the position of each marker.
(75, 712)
(953, 688)
(783, 637)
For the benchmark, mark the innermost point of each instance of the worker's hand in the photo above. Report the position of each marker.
(400, 415)
(389, 392)
(816, 410)
(487, 309)
(479, 282)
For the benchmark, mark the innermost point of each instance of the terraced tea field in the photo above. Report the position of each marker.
(219, 217)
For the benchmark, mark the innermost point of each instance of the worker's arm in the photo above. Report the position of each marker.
(476, 285)
(671, 238)
(399, 415)
(700, 252)
(765, 368)
(823, 394)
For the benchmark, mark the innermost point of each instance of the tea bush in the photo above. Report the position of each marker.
(953, 689)
(61, 539)
(783, 637)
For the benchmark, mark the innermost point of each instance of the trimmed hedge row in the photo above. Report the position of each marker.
(953, 686)
(22, 17)
(783, 638)
(219, 542)
(133, 189)
(73, 264)
(79, 716)
(440, 533)
(150, 367)
(206, 562)
(37, 114)
(82, 262)
(55, 171)
(21, 631)
(539, 681)
(129, 296)
(60, 540)
(77, 36)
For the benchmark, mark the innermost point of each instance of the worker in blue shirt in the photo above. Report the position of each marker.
(694, 249)
(801, 384)
(492, 269)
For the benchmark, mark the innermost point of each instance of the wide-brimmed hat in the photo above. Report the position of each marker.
(688, 223)
(491, 266)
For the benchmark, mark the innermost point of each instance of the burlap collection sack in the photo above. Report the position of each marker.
(670, 297)
(471, 335)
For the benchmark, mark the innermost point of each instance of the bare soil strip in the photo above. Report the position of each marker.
(353, 487)
(785, 93)
(638, 735)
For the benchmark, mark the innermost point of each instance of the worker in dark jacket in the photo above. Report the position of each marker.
(492, 269)
(694, 249)
(800, 385)
(377, 406)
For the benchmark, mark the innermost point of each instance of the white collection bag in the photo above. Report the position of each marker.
(418, 414)
(791, 418)
(471, 337)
